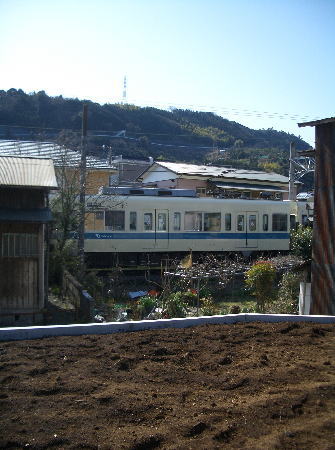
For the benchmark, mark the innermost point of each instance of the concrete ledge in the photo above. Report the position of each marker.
(38, 332)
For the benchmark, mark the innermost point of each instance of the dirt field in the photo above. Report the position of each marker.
(249, 386)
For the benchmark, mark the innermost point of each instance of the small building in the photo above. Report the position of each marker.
(99, 171)
(323, 258)
(225, 182)
(24, 213)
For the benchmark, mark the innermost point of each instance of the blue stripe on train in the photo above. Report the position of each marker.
(192, 235)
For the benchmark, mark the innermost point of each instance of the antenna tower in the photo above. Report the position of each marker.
(124, 94)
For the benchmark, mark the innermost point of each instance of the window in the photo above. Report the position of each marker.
(132, 221)
(176, 221)
(114, 220)
(292, 222)
(201, 190)
(19, 245)
(240, 222)
(99, 215)
(212, 221)
(279, 222)
(192, 221)
(161, 221)
(227, 219)
(147, 221)
(252, 222)
(265, 222)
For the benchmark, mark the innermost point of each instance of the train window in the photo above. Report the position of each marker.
(99, 215)
(212, 221)
(240, 222)
(265, 222)
(252, 222)
(279, 222)
(161, 221)
(292, 222)
(147, 221)
(192, 221)
(114, 220)
(176, 221)
(132, 220)
(227, 219)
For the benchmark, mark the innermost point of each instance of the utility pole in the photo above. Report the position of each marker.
(81, 227)
(291, 195)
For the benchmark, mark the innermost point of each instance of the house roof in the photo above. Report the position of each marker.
(60, 155)
(217, 172)
(28, 172)
(316, 122)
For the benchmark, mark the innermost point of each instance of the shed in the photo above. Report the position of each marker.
(24, 214)
(323, 258)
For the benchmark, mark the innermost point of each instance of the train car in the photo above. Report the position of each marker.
(147, 224)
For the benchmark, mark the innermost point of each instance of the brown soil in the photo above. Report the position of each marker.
(250, 386)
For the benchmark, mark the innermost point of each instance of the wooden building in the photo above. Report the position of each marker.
(224, 182)
(24, 213)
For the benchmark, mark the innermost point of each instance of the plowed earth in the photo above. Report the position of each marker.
(252, 386)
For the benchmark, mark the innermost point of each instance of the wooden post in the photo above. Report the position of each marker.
(81, 227)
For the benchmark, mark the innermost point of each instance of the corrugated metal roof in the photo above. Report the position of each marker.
(316, 122)
(223, 172)
(32, 172)
(61, 156)
(249, 187)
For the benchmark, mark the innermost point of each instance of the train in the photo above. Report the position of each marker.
(134, 223)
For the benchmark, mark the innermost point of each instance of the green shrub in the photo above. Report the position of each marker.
(208, 307)
(145, 306)
(301, 243)
(287, 301)
(259, 278)
(175, 305)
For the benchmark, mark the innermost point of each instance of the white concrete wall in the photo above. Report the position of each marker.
(9, 334)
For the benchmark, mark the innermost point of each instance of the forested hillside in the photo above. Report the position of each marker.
(176, 135)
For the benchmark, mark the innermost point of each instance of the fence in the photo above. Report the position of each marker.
(80, 298)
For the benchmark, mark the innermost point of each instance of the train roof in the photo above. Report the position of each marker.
(144, 191)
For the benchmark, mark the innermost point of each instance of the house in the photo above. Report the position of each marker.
(99, 171)
(218, 181)
(24, 213)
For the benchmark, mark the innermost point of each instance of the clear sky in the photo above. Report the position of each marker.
(262, 63)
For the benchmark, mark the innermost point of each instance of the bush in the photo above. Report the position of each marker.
(145, 305)
(287, 301)
(301, 243)
(175, 305)
(208, 307)
(260, 280)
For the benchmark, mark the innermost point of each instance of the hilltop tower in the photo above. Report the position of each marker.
(124, 94)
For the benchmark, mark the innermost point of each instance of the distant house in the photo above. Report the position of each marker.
(24, 212)
(99, 171)
(218, 181)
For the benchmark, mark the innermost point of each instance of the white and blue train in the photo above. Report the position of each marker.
(149, 221)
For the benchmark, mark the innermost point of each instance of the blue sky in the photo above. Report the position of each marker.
(262, 63)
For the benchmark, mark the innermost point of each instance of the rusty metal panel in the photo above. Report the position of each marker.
(323, 261)
(32, 172)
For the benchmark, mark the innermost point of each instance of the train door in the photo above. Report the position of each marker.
(161, 228)
(247, 229)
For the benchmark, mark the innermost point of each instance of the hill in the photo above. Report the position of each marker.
(176, 135)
